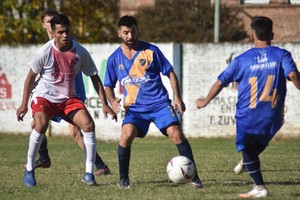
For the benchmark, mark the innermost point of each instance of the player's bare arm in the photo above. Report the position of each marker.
(214, 91)
(29, 82)
(295, 78)
(100, 90)
(178, 103)
(114, 102)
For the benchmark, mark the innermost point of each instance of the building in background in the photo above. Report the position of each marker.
(284, 13)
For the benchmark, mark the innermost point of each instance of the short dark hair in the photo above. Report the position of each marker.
(263, 27)
(127, 21)
(59, 19)
(48, 12)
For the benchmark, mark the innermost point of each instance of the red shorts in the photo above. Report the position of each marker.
(41, 104)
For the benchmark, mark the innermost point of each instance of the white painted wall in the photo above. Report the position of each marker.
(202, 63)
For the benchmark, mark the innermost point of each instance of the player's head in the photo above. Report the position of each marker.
(128, 30)
(60, 19)
(60, 25)
(46, 17)
(48, 13)
(127, 21)
(263, 28)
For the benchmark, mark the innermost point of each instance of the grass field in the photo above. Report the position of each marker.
(215, 158)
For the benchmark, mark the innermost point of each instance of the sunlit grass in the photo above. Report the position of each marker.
(215, 160)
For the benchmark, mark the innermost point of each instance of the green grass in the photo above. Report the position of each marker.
(215, 160)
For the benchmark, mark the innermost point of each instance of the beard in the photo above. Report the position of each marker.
(131, 43)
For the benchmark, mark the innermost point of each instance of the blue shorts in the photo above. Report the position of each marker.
(162, 119)
(80, 92)
(243, 139)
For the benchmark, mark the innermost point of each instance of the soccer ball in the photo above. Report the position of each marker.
(180, 169)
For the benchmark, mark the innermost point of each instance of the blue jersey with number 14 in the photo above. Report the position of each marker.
(261, 74)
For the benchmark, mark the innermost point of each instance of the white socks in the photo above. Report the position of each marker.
(89, 139)
(35, 141)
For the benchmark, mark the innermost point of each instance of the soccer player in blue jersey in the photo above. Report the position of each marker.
(137, 66)
(75, 133)
(261, 74)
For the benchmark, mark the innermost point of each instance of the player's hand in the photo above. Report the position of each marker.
(201, 103)
(108, 110)
(179, 106)
(21, 112)
(116, 106)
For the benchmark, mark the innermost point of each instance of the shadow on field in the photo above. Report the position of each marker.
(264, 170)
(242, 183)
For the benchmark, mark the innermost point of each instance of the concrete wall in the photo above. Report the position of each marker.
(201, 64)
(14, 68)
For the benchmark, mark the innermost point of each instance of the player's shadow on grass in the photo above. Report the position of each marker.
(242, 183)
(264, 170)
(159, 183)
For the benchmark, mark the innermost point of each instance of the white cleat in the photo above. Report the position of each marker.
(255, 193)
(239, 168)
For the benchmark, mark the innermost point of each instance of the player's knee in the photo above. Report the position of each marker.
(88, 127)
(175, 134)
(41, 127)
(127, 138)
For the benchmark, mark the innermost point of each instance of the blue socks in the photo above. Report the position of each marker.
(124, 159)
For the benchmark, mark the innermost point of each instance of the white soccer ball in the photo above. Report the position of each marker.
(180, 169)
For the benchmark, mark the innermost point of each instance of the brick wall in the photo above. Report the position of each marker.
(284, 15)
(130, 7)
(285, 18)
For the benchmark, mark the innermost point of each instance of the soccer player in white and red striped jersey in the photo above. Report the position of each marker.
(74, 131)
(261, 74)
(54, 94)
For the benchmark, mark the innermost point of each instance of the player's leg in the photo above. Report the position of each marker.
(169, 125)
(76, 135)
(240, 167)
(129, 132)
(184, 149)
(44, 159)
(252, 164)
(83, 120)
(36, 136)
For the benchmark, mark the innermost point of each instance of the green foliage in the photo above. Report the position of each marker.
(21, 21)
(187, 21)
(215, 160)
(92, 21)
(95, 21)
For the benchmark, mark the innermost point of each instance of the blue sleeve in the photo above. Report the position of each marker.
(162, 62)
(111, 77)
(229, 74)
(288, 63)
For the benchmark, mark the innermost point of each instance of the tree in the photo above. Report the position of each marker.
(187, 21)
(20, 21)
(92, 21)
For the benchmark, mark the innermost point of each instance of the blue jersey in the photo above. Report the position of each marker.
(79, 87)
(140, 77)
(261, 74)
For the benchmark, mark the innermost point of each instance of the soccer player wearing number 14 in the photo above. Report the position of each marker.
(261, 74)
